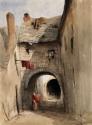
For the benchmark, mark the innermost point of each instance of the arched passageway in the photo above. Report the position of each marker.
(48, 86)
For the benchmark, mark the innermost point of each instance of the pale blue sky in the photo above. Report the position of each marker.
(36, 8)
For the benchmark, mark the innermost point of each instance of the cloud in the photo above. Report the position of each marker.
(46, 8)
(36, 8)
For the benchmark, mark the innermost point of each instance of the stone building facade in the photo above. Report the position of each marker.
(38, 61)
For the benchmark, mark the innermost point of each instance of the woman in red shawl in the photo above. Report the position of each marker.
(35, 101)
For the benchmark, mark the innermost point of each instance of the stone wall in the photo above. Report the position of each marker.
(9, 80)
(76, 56)
(38, 56)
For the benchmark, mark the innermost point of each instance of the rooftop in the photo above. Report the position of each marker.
(44, 31)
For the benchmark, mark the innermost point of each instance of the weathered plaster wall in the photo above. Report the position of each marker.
(9, 80)
(76, 37)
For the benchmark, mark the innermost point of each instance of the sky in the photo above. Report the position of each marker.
(36, 8)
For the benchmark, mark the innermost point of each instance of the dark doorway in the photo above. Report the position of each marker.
(53, 88)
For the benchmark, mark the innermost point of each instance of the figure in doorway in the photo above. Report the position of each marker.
(35, 101)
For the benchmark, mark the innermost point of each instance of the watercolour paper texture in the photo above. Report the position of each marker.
(45, 62)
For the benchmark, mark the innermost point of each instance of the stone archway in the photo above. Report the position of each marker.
(38, 80)
(41, 70)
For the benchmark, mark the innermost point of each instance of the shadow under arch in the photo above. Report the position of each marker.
(53, 88)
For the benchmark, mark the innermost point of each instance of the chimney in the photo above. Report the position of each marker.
(11, 32)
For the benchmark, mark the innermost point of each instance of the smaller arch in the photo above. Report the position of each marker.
(53, 88)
